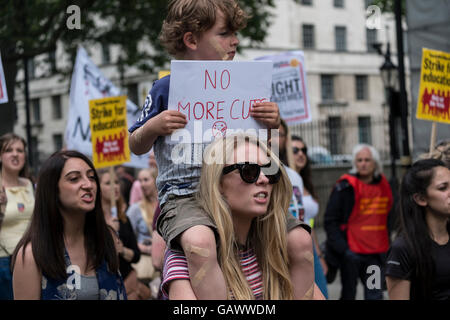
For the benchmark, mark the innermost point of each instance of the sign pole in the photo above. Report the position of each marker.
(112, 179)
(433, 137)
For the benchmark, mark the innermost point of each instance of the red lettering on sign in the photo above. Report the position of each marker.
(231, 109)
(208, 110)
(221, 79)
(214, 85)
(219, 109)
(203, 110)
(225, 79)
(188, 106)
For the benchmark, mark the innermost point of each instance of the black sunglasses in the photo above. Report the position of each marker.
(304, 150)
(250, 172)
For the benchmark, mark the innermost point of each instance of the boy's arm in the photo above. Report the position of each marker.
(143, 138)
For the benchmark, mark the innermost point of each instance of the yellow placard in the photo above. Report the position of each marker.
(163, 73)
(108, 122)
(433, 102)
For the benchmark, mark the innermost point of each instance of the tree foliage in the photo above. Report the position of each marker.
(32, 27)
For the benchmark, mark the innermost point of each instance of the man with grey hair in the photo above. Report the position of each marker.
(356, 224)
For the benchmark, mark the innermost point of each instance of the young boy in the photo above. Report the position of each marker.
(202, 30)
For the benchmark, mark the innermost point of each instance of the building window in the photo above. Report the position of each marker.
(36, 110)
(340, 34)
(327, 87)
(132, 92)
(308, 36)
(56, 107)
(52, 61)
(307, 2)
(31, 68)
(57, 141)
(335, 135)
(34, 153)
(106, 54)
(338, 3)
(361, 88)
(371, 38)
(364, 130)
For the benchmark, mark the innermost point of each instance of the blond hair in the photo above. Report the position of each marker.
(120, 201)
(148, 207)
(268, 233)
(197, 16)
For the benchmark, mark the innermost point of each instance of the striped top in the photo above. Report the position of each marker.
(176, 268)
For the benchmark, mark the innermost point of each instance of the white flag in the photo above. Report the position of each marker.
(3, 93)
(89, 83)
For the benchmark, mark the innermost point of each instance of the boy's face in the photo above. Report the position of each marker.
(217, 43)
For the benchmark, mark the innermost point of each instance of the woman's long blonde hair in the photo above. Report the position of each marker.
(268, 233)
(148, 207)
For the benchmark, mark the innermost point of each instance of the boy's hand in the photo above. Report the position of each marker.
(266, 112)
(168, 121)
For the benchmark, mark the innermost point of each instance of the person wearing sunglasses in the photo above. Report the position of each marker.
(245, 192)
(356, 223)
(311, 207)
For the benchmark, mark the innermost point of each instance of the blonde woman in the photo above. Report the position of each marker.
(246, 193)
(141, 218)
(128, 249)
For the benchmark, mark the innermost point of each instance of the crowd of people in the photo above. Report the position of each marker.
(239, 225)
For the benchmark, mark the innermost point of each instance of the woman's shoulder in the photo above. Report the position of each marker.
(399, 242)
(25, 182)
(25, 256)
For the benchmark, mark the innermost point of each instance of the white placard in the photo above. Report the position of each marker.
(216, 96)
(89, 83)
(3, 93)
(289, 86)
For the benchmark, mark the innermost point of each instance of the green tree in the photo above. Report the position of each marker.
(32, 27)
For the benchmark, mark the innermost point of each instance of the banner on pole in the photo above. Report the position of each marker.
(108, 122)
(433, 102)
(216, 96)
(88, 83)
(289, 86)
(3, 93)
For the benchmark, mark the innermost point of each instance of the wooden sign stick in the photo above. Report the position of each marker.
(433, 137)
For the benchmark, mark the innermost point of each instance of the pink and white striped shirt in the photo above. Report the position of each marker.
(176, 268)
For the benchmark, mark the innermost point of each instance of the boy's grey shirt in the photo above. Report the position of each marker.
(173, 178)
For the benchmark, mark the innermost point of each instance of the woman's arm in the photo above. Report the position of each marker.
(26, 276)
(181, 290)
(398, 289)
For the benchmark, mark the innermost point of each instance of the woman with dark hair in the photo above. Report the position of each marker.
(68, 252)
(16, 204)
(418, 263)
(302, 166)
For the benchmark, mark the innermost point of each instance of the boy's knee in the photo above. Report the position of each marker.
(300, 244)
(199, 241)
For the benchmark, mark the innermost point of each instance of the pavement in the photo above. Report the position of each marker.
(334, 289)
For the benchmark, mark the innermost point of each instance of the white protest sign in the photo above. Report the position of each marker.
(216, 96)
(89, 83)
(289, 86)
(3, 93)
